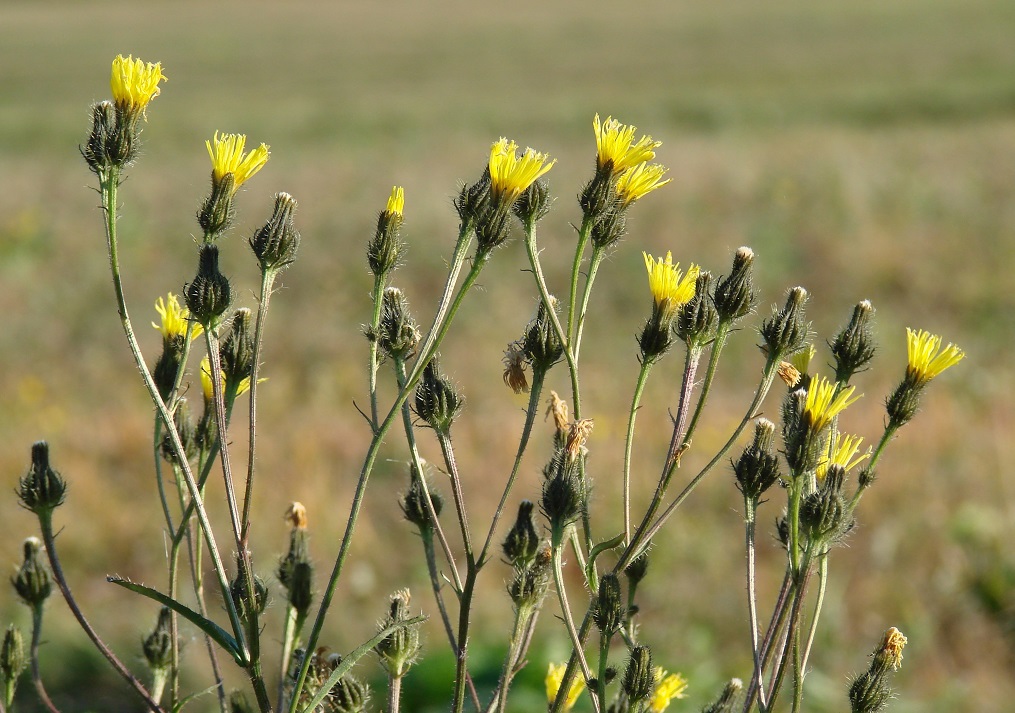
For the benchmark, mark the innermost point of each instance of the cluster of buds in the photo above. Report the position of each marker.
(348, 695)
(806, 415)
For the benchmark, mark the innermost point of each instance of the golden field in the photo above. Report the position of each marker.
(863, 150)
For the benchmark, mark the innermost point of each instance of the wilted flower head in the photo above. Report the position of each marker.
(228, 157)
(616, 147)
(134, 83)
(891, 647)
(514, 368)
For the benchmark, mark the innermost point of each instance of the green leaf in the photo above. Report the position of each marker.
(216, 632)
(596, 551)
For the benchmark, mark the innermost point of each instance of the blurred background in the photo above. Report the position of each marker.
(864, 150)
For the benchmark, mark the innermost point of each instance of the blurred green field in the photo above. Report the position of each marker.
(864, 150)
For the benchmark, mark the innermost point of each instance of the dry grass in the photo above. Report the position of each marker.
(863, 150)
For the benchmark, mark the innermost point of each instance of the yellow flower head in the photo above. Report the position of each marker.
(174, 319)
(615, 145)
(554, 677)
(396, 203)
(227, 156)
(823, 404)
(206, 385)
(639, 181)
(669, 686)
(135, 83)
(510, 176)
(926, 357)
(802, 359)
(670, 289)
(844, 455)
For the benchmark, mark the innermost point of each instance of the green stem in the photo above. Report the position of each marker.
(750, 506)
(886, 437)
(40, 687)
(822, 584)
(579, 253)
(800, 580)
(375, 443)
(721, 335)
(639, 389)
(394, 693)
(595, 260)
(604, 655)
(768, 643)
(576, 642)
(373, 363)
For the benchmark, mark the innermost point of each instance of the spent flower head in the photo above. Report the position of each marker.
(554, 677)
(639, 181)
(228, 157)
(616, 147)
(134, 84)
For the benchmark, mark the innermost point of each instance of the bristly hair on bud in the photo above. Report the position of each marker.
(110, 142)
(33, 582)
(385, 249)
(785, 332)
(276, 242)
(236, 350)
(157, 646)
(414, 502)
(607, 607)
(522, 542)
(397, 334)
(869, 692)
(438, 403)
(757, 469)
(187, 431)
(248, 606)
(639, 677)
(209, 295)
(399, 650)
(563, 494)
(853, 347)
(926, 360)
(726, 700)
(531, 581)
(533, 204)
(12, 663)
(696, 320)
(41, 489)
(540, 344)
(609, 228)
(734, 295)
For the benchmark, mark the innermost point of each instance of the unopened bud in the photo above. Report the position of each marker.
(236, 350)
(853, 348)
(437, 401)
(598, 194)
(640, 677)
(385, 248)
(530, 582)
(157, 646)
(33, 582)
(637, 570)
(397, 334)
(734, 294)
(216, 213)
(276, 242)
(398, 651)
(563, 497)
(209, 295)
(540, 344)
(608, 607)
(248, 606)
(41, 489)
(697, 318)
(757, 469)
(414, 505)
(785, 332)
(534, 203)
(522, 542)
(724, 703)
(609, 229)
(12, 663)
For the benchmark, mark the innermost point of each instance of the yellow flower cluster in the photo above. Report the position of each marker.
(927, 358)
(135, 83)
(844, 455)
(174, 319)
(670, 288)
(510, 176)
(554, 677)
(228, 156)
(627, 159)
(823, 404)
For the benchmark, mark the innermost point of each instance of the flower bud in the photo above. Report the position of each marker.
(384, 250)
(531, 581)
(598, 195)
(522, 542)
(41, 489)
(640, 677)
(534, 203)
(187, 431)
(216, 213)
(869, 692)
(785, 332)
(608, 608)
(398, 651)
(295, 572)
(437, 401)
(236, 349)
(33, 582)
(209, 295)
(824, 514)
(695, 322)
(563, 497)
(637, 570)
(397, 335)
(276, 242)
(734, 294)
(414, 505)
(473, 201)
(107, 144)
(724, 703)
(492, 228)
(609, 229)
(12, 663)
(157, 646)
(853, 348)
(757, 469)
(248, 606)
(540, 344)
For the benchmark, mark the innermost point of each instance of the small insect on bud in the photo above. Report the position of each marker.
(734, 294)
(209, 295)
(853, 347)
(398, 651)
(639, 677)
(534, 203)
(276, 242)
(437, 401)
(522, 542)
(385, 248)
(12, 663)
(157, 646)
(41, 489)
(757, 469)
(724, 703)
(236, 350)
(397, 334)
(33, 582)
(607, 607)
(785, 332)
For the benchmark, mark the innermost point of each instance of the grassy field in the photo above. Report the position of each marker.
(864, 150)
